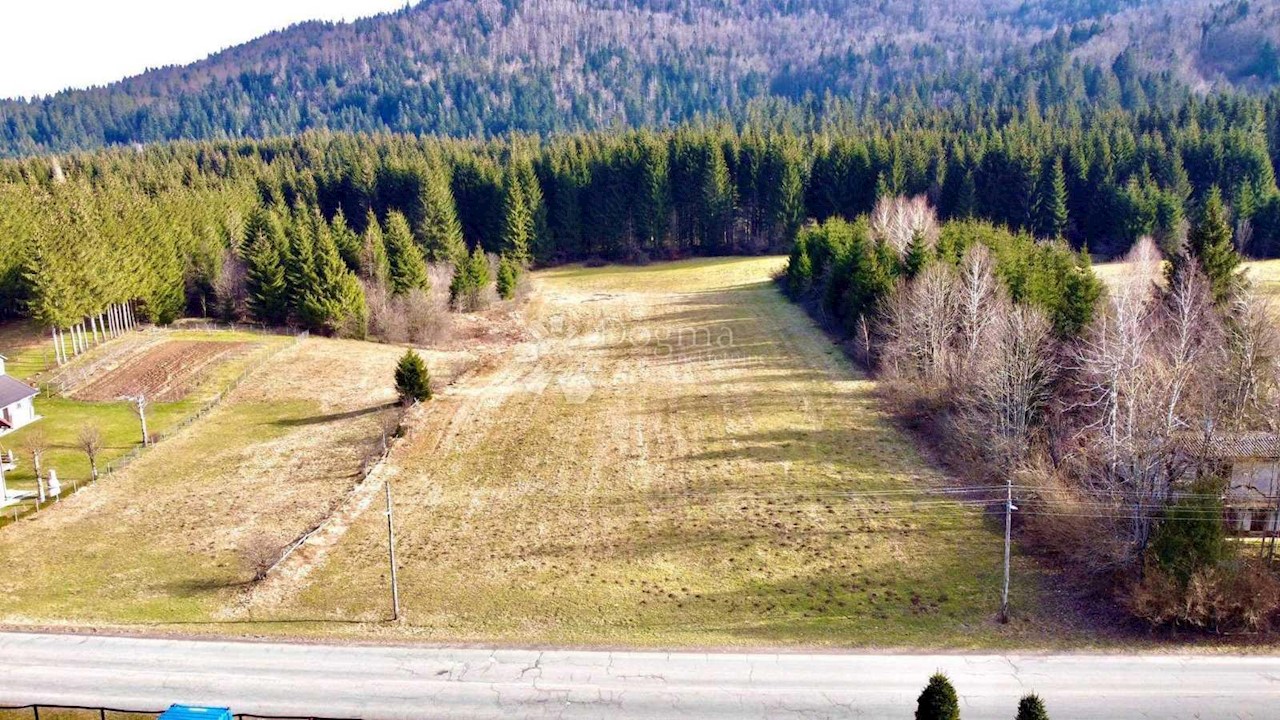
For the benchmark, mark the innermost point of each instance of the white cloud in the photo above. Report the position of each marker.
(51, 45)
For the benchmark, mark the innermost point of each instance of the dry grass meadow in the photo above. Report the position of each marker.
(667, 456)
(160, 542)
(668, 463)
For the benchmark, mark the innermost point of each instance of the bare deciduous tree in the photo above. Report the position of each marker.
(90, 440)
(1013, 386)
(897, 221)
(918, 324)
(1250, 360)
(978, 293)
(259, 552)
(36, 444)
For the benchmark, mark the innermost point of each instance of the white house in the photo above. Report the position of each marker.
(17, 402)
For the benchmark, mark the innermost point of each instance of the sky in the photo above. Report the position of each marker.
(51, 45)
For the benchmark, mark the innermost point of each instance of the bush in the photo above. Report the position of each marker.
(1031, 708)
(413, 381)
(1238, 596)
(938, 701)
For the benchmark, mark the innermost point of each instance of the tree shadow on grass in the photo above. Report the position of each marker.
(332, 417)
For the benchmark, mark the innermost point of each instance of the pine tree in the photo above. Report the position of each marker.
(407, 269)
(508, 277)
(938, 701)
(1210, 242)
(1031, 707)
(413, 380)
(441, 232)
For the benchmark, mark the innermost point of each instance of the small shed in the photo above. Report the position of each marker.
(193, 712)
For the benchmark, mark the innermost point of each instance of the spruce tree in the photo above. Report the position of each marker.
(470, 279)
(407, 269)
(349, 244)
(938, 701)
(717, 201)
(1052, 204)
(917, 256)
(265, 282)
(1210, 242)
(1079, 299)
(334, 303)
(1031, 707)
(440, 232)
(374, 265)
(508, 278)
(517, 219)
(413, 380)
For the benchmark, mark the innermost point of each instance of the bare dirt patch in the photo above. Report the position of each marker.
(164, 372)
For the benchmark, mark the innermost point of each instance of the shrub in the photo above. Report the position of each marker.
(1031, 707)
(1237, 596)
(938, 701)
(413, 381)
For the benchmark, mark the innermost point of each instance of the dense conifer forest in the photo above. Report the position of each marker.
(479, 69)
(286, 230)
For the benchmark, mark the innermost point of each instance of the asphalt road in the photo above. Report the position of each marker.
(405, 682)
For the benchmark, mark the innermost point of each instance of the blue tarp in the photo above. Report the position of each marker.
(188, 712)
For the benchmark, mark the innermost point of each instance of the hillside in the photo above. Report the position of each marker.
(460, 67)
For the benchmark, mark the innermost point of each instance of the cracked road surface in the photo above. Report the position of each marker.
(406, 682)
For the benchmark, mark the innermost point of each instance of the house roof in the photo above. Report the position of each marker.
(12, 391)
(1233, 446)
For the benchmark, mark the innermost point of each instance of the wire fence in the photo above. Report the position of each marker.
(85, 712)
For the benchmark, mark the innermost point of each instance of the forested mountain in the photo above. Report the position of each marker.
(483, 67)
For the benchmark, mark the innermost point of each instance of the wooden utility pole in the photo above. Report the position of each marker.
(1008, 537)
(391, 554)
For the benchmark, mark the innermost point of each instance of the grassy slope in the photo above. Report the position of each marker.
(158, 541)
(691, 500)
